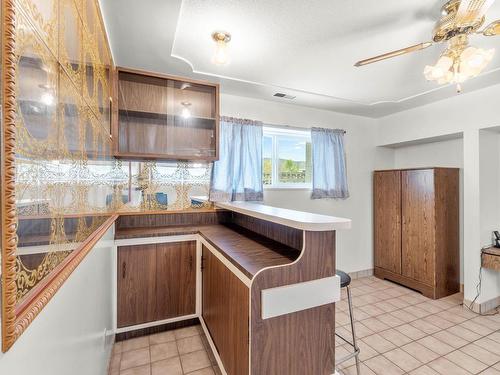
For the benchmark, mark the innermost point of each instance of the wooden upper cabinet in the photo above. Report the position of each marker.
(387, 212)
(419, 225)
(162, 117)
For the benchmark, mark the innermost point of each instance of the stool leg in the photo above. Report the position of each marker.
(354, 342)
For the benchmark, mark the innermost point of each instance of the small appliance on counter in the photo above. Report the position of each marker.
(496, 242)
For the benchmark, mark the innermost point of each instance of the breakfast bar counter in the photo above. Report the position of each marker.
(260, 279)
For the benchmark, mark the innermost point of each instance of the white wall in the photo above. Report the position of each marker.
(465, 113)
(468, 111)
(67, 337)
(355, 246)
(447, 153)
(489, 192)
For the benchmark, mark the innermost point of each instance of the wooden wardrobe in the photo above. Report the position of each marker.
(416, 234)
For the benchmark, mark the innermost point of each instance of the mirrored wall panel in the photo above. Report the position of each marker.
(56, 131)
(63, 143)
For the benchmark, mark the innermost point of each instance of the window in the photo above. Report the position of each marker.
(287, 158)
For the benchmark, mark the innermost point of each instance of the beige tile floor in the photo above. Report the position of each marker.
(402, 332)
(183, 351)
(399, 332)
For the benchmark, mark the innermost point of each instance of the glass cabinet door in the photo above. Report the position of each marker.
(163, 118)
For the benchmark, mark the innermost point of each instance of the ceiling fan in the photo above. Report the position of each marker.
(459, 61)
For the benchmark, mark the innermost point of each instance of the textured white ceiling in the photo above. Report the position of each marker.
(304, 48)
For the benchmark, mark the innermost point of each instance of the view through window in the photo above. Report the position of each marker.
(287, 158)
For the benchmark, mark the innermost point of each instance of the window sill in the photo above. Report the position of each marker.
(288, 188)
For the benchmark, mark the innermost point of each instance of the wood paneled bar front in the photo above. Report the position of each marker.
(266, 284)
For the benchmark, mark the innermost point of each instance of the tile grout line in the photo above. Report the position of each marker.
(409, 292)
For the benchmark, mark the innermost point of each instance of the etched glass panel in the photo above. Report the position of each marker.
(67, 183)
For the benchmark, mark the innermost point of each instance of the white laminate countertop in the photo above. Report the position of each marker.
(291, 218)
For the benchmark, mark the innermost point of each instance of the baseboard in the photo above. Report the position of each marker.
(410, 283)
(360, 274)
(483, 307)
(121, 336)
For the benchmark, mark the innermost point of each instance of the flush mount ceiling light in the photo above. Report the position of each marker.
(221, 55)
(459, 62)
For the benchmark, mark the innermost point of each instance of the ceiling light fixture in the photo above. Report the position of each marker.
(47, 98)
(186, 113)
(458, 63)
(221, 55)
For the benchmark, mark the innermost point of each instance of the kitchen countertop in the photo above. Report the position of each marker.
(291, 218)
(246, 250)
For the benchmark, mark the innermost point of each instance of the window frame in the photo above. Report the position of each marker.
(275, 133)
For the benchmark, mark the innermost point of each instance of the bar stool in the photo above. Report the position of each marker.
(345, 281)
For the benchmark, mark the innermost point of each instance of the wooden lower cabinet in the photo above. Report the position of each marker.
(226, 313)
(156, 282)
(136, 284)
(175, 279)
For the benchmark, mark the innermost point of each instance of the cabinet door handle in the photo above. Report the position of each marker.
(124, 270)
(190, 262)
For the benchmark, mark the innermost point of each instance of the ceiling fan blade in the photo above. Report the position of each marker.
(492, 29)
(471, 10)
(399, 52)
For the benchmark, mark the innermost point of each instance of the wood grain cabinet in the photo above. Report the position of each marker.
(156, 282)
(163, 117)
(416, 234)
(226, 313)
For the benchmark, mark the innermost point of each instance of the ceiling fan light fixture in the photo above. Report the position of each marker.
(477, 58)
(434, 72)
(445, 62)
(459, 63)
(221, 54)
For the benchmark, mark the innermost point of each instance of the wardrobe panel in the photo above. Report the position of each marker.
(448, 232)
(387, 212)
(418, 225)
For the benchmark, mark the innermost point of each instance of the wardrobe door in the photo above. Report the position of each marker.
(387, 212)
(418, 228)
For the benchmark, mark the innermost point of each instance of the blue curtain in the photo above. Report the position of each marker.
(329, 165)
(237, 175)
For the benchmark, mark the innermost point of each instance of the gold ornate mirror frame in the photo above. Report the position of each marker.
(10, 330)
